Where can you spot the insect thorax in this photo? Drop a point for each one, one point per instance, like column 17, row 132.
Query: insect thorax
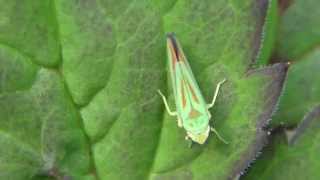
column 195, row 121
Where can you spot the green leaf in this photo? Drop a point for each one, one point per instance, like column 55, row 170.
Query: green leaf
column 30, row 27
column 299, row 30
column 88, row 107
column 13, row 66
column 269, row 33
column 40, row 131
column 301, row 92
column 298, row 160
column 298, row 40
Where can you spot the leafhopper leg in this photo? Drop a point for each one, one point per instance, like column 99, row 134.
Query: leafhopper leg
column 171, row 113
column 189, row 141
column 216, row 132
column 216, row 93
column 179, row 122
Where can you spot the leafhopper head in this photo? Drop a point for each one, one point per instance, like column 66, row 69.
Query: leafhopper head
column 199, row 137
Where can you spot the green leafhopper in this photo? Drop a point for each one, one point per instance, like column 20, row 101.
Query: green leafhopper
column 192, row 111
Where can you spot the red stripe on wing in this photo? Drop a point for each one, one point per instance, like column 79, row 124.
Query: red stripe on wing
column 173, row 56
column 194, row 96
column 184, row 100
